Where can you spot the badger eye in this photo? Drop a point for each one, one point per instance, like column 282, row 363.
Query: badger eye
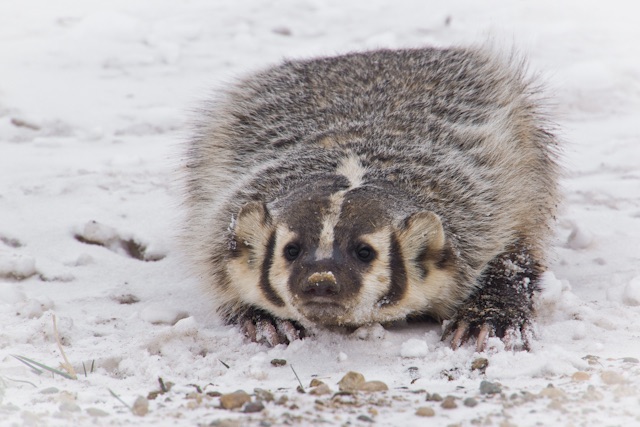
column 291, row 251
column 365, row 253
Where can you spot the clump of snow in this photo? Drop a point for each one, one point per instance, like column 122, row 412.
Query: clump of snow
column 631, row 295
column 580, row 238
column 414, row 348
column 16, row 266
column 374, row 331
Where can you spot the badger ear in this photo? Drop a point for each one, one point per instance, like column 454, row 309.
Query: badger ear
column 422, row 234
column 252, row 228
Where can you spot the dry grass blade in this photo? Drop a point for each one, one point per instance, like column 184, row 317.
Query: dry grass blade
column 120, row 400
column 66, row 365
column 298, row 378
column 35, row 365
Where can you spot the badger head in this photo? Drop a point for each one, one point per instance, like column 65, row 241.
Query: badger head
column 340, row 250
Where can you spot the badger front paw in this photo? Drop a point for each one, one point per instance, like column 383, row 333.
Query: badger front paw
column 263, row 328
column 502, row 306
column 469, row 323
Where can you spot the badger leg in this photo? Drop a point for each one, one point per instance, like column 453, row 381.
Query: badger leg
column 502, row 305
column 261, row 327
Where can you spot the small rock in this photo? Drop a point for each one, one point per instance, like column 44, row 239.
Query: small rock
column 373, row 386
column 264, row 395
column 470, row 402
column 630, row 360
column 592, row 394
column 227, row 423
column 140, row 406
column 449, row 403
column 487, row 387
column 480, row 364
column 252, row 407
column 351, row 381
column 69, row 407
column 365, row 418
column 580, row 376
column 592, row 360
column 435, row 397
column 282, row 31
column 315, row 382
column 95, row 412
column 611, row 378
column 425, row 411
column 278, row 362
column 50, row 390
column 320, row 390
column 552, row 392
column 234, row 400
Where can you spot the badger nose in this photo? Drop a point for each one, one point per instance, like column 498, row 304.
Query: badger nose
column 323, row 288
column 321, row 285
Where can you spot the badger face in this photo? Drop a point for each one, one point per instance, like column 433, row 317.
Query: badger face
column 338, row 251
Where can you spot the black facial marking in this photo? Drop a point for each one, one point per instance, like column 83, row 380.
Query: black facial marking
column 421, row 262
column 265, row 284
column 398, row 274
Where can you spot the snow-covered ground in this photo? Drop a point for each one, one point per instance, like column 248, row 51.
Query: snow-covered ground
column 95, row 99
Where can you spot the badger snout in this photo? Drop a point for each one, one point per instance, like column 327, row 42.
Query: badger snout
column 320, row 285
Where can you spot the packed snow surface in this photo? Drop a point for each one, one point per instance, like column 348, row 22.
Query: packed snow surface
column 95, row 101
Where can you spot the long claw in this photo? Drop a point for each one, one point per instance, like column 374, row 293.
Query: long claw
column 267, row 333
column 287, row 330
column 484, row 333
column 249, row 329
column 460, row 335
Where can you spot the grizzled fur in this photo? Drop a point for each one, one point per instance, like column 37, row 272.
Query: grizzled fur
column 371, row 187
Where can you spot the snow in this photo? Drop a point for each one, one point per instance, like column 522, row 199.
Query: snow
column 95, row 101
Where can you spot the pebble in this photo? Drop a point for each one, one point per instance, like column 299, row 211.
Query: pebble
column 253, row 407
column 365, row 418
column 140, row 406
column 552, row 392
column 226, row 423
column 351, row 381
column 50, row 390
column 320, row 390
column 611, row 378
column 592, row 394
column 95, row 412
column 630, row 360
column 234, row 400
column 479, row 364
column 435, row 397
column 264, row 395
column 69, row 407
column 449, row 403
column 425, row 411
column 470, row 402
column 487, row 387
column 373, row 386
column 278, row 362
column 580, row 376
column 315, row 382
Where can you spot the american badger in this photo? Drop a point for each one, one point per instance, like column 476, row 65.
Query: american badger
column 371, row 187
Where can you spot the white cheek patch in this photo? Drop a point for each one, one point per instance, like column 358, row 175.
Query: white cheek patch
column 245, row 274
column 279, row 274
column 376, row 281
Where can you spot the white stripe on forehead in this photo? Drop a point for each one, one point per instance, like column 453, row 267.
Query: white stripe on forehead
column 352, row 169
